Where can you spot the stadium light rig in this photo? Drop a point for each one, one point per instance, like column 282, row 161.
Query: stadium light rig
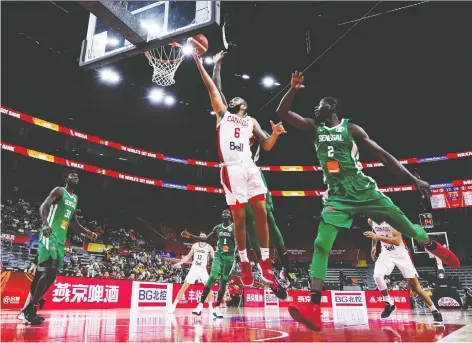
column 187, row 50
column 268, row 82
column 169, row 100
column 209, row 60
column 156, row 95
column 109, row 76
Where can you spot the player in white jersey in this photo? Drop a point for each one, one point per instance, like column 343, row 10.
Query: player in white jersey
column 240, row 177
column 394, row 253
column 198, row 270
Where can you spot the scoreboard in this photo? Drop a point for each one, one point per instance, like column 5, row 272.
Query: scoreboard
column 451, row 197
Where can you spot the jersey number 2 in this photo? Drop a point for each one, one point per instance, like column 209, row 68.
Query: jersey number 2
column 236, row 132
column 330, row 151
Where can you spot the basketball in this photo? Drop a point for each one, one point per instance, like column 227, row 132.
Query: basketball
column 200, row 43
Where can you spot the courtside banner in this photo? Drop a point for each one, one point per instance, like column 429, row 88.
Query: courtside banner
column 192, row 295
column 15, row 289
column 73, row 293
column 151, row 294
column 254, row 297
column 374, row 299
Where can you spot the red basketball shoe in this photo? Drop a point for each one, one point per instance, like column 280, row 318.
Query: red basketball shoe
column 446, row 255
column 267, row 273
column 268, row 276
column 308, row 314
column 246, row 274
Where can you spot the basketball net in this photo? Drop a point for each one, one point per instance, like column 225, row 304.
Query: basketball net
column 165, row 60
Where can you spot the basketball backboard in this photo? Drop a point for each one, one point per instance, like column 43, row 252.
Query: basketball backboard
column 441, row 237
column 119, row 29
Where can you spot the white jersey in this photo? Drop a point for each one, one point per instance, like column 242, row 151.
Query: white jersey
column 234, row 134
column 200, row 255
column 385, row 230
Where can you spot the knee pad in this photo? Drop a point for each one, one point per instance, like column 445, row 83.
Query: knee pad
column 380, row 282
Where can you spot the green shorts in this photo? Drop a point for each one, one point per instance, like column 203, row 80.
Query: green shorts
column 50, row 248
column 222, row 265
column 269, row 202
column 359, row 194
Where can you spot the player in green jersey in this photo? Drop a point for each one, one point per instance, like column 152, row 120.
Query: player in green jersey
column 275, row 235
column 56, row 212
column 349, row 190
column 223, row 262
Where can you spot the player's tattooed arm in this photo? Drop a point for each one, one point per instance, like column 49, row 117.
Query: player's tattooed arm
column 268, row 141
column 284, row 110
column 216, row 101
column 85, row 232
column 187, row 234
column 364, row 141
column 52, row 198
column 218, row 60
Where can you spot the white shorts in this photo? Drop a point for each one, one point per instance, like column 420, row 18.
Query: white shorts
column 242, row 184
column 197, row 274
column 386, row 262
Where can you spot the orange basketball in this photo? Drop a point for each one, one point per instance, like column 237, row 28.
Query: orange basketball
column 200, row 43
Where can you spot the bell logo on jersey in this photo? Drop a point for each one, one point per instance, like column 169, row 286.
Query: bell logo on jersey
column 238, row 147
column 330, row 138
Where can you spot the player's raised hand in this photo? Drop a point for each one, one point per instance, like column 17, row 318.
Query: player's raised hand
column 424, row 188
column 371, row 235
column 185, row 234
column 218, row 58
column 278, row 129
column 297, row 80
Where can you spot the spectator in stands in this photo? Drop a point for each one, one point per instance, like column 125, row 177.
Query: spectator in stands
column 468, row 298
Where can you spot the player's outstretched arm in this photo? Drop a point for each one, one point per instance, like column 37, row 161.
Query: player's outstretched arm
column 186, row 258
column 215, row 96
column 267, row 141
column 52, row 198
column 284, row 112
column 363, row 140
column 187, row 234
column 85, row 232
column 218, row 60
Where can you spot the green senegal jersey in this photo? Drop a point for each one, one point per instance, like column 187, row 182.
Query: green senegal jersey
column 337, row 152
column 60, row 215
column 226, row 241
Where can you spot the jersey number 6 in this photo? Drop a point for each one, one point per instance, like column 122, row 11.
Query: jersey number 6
column 236, row 132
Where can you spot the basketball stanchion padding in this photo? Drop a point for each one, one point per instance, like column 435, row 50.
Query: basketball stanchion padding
column 165, row 60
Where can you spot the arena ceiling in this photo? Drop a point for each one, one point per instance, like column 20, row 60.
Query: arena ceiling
column 401, row 75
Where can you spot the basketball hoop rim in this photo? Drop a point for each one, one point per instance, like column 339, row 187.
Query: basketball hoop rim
column 150, row 57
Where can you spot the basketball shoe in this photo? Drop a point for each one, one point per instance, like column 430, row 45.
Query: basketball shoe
column 446, row 255
column 246, row 274
column 308, row 314
column 268, row 276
